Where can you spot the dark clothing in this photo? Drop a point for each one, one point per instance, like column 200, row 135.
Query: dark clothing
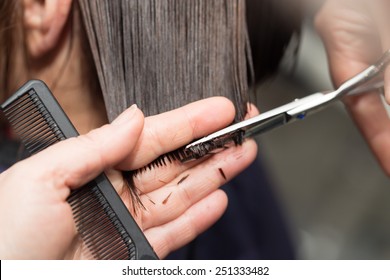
column 253, row 226
column 9, row 151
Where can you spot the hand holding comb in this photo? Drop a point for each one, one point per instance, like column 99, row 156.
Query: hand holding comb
column 102, row 220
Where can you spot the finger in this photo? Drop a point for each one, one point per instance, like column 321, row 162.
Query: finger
column 372, row 119
column 349, row 34
column 380, row 10
column 380, row 13
column 195, row 220
column 349, row 52
column 174, row 199
column 157, row 176
column 169, row 131
column 76, row 161
column 367, row 111
column 252, row 111
column 387, row 85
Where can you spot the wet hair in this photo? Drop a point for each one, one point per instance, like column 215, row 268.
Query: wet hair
column 9, row 16
column 273, row 26
column 162, row 54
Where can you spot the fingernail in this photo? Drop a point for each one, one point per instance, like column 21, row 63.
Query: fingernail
column 125, row 116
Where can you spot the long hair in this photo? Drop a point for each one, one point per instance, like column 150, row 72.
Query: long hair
column 162, row 54
column 271, row 26
column 9, row 19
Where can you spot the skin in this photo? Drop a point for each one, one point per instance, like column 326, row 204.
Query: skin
column 355, row 34
column 37, row 223
column 41, row 225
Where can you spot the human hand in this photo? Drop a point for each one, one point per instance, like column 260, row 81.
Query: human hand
column 37, row 222
column 355, row 34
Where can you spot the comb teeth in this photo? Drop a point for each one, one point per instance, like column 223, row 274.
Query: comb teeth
column 33, row 123
column 101, row 231
column 103, row 221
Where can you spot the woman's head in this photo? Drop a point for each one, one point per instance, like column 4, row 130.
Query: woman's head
column 159, row 54
column 44, row 39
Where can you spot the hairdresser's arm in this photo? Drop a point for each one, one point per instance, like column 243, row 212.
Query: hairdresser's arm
column 36, row 221
column 355, row 34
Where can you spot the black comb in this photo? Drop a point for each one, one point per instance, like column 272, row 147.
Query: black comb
column 104, row 223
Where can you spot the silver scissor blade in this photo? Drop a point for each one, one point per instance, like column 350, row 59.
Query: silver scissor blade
column 261, row 123
column 368, row 79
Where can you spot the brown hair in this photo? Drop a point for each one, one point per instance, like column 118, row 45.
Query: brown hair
column 271, row 26
column 9, row 18
column 162, row 54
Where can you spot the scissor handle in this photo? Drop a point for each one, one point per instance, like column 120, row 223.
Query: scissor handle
column 369, row 79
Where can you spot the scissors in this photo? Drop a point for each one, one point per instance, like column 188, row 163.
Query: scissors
column 369, row 79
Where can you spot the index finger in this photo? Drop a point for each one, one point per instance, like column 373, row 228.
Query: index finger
column 168, row 131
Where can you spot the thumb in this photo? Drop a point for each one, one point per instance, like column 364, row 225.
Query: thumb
column 78, row 160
